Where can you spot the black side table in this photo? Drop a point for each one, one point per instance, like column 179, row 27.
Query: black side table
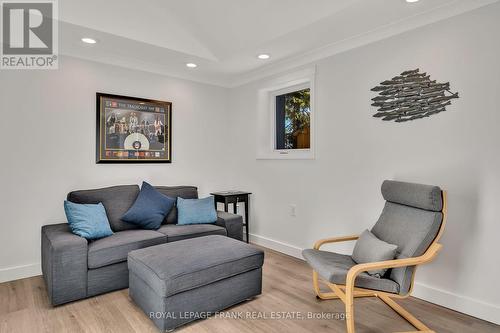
column 233, row 197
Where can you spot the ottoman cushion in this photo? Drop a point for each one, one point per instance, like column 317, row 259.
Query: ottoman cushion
column 173, row 268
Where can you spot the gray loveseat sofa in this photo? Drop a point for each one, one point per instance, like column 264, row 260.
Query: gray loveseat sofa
column 74, row 268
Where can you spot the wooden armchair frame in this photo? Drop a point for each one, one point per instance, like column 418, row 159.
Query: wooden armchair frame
column 348, row 292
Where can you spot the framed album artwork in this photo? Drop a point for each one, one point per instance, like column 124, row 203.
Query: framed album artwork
column 133, row 130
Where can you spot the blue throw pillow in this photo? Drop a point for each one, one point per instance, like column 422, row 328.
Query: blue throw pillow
column 149, row 209
column 196, row 211
column 87, row 220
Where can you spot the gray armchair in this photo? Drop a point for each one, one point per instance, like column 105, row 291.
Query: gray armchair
column 413, row 218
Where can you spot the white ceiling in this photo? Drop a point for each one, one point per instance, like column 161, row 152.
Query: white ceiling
column 224, row 36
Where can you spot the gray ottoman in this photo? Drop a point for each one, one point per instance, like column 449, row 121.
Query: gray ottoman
column 178, row 282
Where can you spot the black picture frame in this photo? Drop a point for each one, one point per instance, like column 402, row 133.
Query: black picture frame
column 146, row 138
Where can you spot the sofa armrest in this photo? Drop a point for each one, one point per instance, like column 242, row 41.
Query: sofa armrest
column 64, row 263
column 233, row 224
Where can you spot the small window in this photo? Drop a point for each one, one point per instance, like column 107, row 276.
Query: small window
column 286, row 116
column 293, row 120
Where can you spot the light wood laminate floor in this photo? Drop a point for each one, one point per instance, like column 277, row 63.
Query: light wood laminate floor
column 287, row 286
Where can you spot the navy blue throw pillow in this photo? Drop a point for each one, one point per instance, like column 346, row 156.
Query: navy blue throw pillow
column 149, row 209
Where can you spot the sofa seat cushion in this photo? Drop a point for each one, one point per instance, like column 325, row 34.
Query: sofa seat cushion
column 176, row 232
column 173, row 268
column 333, row 267
column 115, row 248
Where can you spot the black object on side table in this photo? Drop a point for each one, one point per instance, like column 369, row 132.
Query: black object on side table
column 234, row 197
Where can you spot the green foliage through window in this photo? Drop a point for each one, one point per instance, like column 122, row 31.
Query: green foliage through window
column 293, row 120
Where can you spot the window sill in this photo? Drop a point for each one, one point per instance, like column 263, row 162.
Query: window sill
column 296, row 154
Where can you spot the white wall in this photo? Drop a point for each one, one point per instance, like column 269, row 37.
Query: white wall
column 47, row 134
column 47, row 129
column 338, row 193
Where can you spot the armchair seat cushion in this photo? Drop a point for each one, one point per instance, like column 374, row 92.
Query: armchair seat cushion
column 115, row 248
column 175, row 232
column 334, row 267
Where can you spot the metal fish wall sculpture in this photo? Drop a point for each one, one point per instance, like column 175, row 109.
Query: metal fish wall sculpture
column 411, row 95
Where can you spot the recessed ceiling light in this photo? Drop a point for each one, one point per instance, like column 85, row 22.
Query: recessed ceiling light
column 191, row 65
column 263, row 56
column 412, row 1
column 89, row 40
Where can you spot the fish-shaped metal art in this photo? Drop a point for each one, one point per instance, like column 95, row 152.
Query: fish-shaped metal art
column 411, row 95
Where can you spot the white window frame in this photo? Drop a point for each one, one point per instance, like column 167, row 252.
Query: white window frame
column 266, row 117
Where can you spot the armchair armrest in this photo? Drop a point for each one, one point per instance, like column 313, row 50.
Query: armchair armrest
column 64, row 263
column 233, row 224
column 321, row 242
column 429, row 255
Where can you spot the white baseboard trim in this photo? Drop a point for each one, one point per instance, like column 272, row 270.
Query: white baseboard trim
column 19, row 272
column 272, row 244
column 460, row 303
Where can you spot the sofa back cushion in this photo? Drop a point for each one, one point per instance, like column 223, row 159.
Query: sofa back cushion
column 185, row 192
column 116, row 200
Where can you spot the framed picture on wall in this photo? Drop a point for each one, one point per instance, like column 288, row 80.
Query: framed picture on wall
column 133, row 130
